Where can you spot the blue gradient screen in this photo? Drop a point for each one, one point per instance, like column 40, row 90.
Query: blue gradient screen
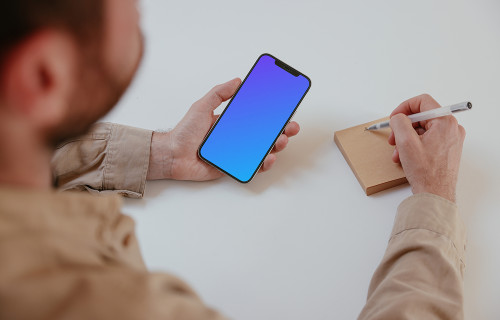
column 254, row 119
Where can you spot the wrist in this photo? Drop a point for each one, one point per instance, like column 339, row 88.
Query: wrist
column 161, row 157
column 446, row 193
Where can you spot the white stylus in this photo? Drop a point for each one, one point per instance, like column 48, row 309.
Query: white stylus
column 428, row 115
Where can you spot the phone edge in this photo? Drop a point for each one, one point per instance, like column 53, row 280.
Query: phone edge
column 276, row 139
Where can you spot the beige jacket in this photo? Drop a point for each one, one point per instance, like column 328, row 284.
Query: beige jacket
column 75, row 256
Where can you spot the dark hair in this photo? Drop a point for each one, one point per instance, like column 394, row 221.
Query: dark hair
column 21, row 18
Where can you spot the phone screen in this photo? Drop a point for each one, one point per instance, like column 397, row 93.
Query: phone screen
column 254, row 119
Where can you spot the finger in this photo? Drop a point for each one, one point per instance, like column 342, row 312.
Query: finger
column 281, row 143
column 395, row 155
column 416, row 104
column 268, row 163
column 292, row 129
column 420, row 131
column 219, row 94
column 392, row 139
column 462, row 132
column 406, row 137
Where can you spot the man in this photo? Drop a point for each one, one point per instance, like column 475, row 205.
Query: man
column 64, row 64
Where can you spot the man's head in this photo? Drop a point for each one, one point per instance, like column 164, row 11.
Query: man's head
column 64, row 64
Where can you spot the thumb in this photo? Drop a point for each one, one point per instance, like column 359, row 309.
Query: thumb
column 406, row 137
column 219, row 94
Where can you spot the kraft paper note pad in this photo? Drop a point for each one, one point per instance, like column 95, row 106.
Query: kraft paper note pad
column 370, row 157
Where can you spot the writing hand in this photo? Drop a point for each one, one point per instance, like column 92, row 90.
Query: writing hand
column 429, row 151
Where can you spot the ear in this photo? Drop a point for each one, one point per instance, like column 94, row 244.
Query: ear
column 38, row 77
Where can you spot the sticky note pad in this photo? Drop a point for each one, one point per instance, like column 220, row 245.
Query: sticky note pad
column 370, row 157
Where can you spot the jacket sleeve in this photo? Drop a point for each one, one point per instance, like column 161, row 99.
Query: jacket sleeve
column 75, row 257
column 103, row 293
column 421, row 273
column 109, row 158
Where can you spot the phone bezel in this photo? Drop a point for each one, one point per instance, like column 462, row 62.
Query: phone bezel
column 285, row 67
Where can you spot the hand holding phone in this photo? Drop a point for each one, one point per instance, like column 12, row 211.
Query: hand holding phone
column 248, row 128
column 174, row 154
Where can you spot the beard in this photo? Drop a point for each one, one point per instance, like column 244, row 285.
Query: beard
column 96, row 92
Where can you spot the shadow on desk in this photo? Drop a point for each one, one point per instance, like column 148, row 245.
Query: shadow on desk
column 300, row 155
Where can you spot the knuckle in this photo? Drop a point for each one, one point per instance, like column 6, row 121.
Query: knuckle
column 428, row 101
column 462, row 131
column 454, row 120
column 397, row 117
column 214, row 96
column 403, row 142
column 451, row 121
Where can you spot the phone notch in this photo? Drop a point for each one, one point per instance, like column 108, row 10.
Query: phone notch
column 286, row 67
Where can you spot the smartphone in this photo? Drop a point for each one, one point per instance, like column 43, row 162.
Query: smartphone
column 247, row 130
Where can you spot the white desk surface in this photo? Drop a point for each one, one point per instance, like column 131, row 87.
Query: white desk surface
column 302, row 241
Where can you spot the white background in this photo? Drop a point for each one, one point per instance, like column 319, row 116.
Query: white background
column 302, row 241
